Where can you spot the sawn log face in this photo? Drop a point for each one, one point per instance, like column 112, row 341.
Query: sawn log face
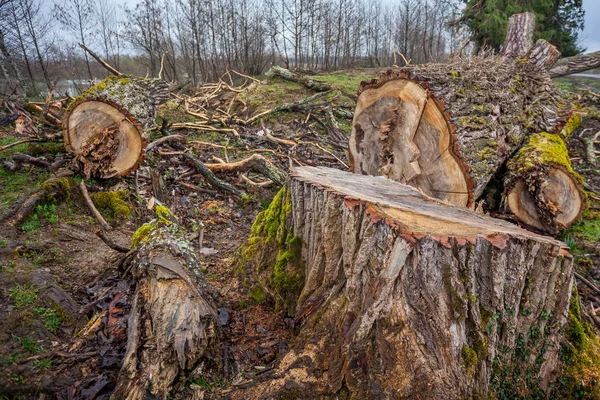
column 405, row 296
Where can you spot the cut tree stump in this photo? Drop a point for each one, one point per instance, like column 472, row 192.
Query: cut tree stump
column 404, row 296
column 172, row 322
column 104, row 127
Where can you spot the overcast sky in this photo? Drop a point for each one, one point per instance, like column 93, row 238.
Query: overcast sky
column 590, row 38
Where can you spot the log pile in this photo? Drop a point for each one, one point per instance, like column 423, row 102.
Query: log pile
column 449, row 129
column 404, row 296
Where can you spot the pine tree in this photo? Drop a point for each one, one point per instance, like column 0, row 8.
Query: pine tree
column 557, row 21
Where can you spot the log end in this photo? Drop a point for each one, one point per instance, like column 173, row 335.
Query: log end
column 401, row 131
column 104, row 137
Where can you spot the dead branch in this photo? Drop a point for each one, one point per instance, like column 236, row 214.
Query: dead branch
column 102, row 235
column 91, row 206
column 283, row 107
column 211, row 178
column 101, row 61
column 157, row 142
column 8, row 146
column 257, row 163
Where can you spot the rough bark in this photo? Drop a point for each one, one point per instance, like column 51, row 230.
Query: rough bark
column 542, row 188
column 519, row 36
column 310, row 83
column 576, row 64
column 447, row 128
column 172, row 320
column 407, row 297
column 104, row 127
column 543, row 54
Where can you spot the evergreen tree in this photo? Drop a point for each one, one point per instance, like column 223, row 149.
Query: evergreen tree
column 558, row 21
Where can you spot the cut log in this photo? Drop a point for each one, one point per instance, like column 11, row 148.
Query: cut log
column 104, row 127
column 576, row 64
column 542, row 189
column 447, row 128
column 172, row 320
column 404, row 296
column 310, row 83
column 519, row 36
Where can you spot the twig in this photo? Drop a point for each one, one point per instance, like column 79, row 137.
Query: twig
column 211, row 178
column 46, row 105
column 326, row 151
column 255, row 162
column 588, row 283
column 100, row 233
column 8, row 146
column 91, row 206
column 197, row 189
column 179, row 138
column 101, row 61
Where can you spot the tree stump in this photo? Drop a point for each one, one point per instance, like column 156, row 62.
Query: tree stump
column 172, row 322
column 104, row 127
column 404, row 296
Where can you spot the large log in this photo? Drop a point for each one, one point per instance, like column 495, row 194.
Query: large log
column 104, row 127
column 403, row 296
column 172, row 322
column 576, row 64
column 447, row 128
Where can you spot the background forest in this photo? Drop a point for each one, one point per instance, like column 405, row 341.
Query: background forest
column 198, row 40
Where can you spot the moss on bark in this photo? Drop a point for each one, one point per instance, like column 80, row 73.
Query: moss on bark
column 274, row 253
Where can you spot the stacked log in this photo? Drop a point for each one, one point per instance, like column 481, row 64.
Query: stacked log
column 449, row 129
column 104, row 127
column 405, row 296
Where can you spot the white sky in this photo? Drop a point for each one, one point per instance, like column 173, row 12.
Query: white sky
column 590, row 38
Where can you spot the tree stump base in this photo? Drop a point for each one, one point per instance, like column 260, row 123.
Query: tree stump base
column 405, row 296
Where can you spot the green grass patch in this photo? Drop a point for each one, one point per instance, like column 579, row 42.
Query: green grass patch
column 23, row 295
column 588, row 229
column 29, row 344
column 347, row 84
column 50, row 318
column 44, row 214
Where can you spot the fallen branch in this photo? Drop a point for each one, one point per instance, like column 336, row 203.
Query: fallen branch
column 588, row 283
column 575, row 64
column 102, row 235
column 294, row 77
column 19, row 159
column 170, row 138
column 8, row 146
column 211, row 177
column 91, row 206
column 257, row 163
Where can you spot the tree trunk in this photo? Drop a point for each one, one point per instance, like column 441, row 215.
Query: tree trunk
column 402, row 296
column 447, row 128
column 542, row 189
column 576, row 64
column 104, row 127
column 519, row 36
column 172, row 322
column 294, row 77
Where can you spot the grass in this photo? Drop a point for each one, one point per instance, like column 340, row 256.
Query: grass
column 573, row 83
column 14, row 185
column 49, row 317
column 588, row 229
column 29, row 345
column 347, row 84
column 43, row 363
column 43, row 213
column 23, row 295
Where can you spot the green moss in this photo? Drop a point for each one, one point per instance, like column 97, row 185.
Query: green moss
column 571, row 126
column 60, row 186
column 542, row 149
column 273, row 251
column 469, row 356
column 140, row 235
column 114, row 203
column 37, row 149
column 257, row 294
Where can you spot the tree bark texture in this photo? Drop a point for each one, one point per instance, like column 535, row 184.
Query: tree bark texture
column 172, row 319
column 104, row 127
column 576, row 64
column 519, row 36
column 404, row 296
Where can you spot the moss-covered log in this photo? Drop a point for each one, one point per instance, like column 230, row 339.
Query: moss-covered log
column 104, row 127
column 542, row 189
column 404, row 296
column 172, row 319
column 310, row 83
